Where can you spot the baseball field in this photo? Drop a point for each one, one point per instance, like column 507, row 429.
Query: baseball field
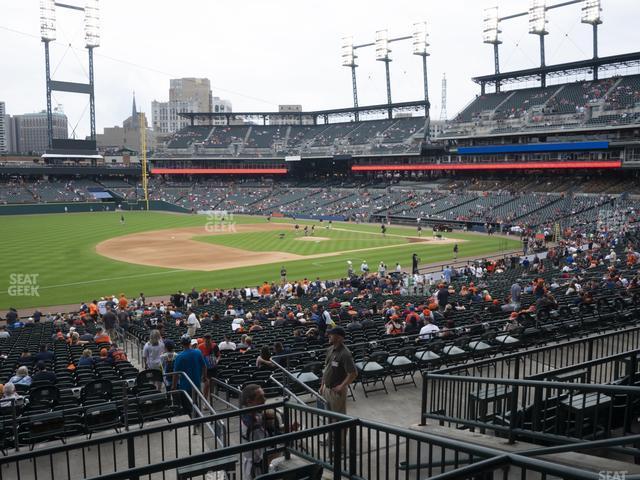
column 60, row 259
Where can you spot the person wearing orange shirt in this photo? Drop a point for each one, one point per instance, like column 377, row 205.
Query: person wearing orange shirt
column 101, row 336
column 93, row 310
column 123, row 302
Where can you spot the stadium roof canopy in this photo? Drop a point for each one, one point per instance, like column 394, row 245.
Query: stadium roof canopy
column 612, row 62
column 318, row 116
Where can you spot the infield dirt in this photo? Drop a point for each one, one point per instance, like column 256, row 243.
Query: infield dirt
column 175, row 248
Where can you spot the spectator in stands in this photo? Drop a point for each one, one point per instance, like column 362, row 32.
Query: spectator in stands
column 117, row 354
column 44, row 355
column 167, row 360
column 193, row 324
column 339, row 372
column 44, row 375
column 264, row 359
column 26, row 358
column 252, row 427
column 3, row 332
column 21, row 377
column 211, row 353
column 513, row 323
column 227, row 344
column 12, row 316
column 393, row 326
column 103, row 357
column 152, row 351
column 8, row 394
column 110, row 320
column 86, row 360
column 429, row 330
column 101, row 336
column 191, row 362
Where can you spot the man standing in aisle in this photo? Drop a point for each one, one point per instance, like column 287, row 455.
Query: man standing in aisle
column 191, row 362
column 339, row 372
column 414, row 263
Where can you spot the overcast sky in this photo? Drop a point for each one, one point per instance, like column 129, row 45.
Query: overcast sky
column 261, row 53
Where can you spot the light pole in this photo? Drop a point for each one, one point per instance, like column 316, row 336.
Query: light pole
column 48, row 34
column 349, row 60
column 383, row 54
column 538, row 26
column 490, row 35
column 92, row 40
column 420, row 49
column 591, row 15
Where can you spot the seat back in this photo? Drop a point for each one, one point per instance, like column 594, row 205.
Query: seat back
column 148, row 377
column 97, row 390
column 44, row 396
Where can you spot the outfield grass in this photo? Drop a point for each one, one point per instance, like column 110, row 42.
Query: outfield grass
column 59, row 249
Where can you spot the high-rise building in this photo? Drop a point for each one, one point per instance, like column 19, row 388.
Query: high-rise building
column 194, row 90
column 31, row 131
column 4, row 141
column 185, row 95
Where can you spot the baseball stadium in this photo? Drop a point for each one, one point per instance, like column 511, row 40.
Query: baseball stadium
column 362, row 292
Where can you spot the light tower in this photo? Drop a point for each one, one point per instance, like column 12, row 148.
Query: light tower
column 383, row 54
column 48, row 34
column 92, row 39
column 591, row 15
column 490, row 35
column 349, row 60
column 420, row 48
column 538, row 26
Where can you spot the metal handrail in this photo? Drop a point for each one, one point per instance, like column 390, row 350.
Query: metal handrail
column 200, row 397
column 302, row 384
column 591, row 387
column 532, row 351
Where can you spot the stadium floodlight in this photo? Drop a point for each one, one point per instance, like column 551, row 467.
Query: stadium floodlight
column 420, row 38
column 538, row 17
column 491, row 25
column 47, row 20
column 591, row 12
column 92, row 24
column 348, row 53
column 382, row 46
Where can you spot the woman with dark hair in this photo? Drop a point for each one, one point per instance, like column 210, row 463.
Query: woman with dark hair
column 264, row 360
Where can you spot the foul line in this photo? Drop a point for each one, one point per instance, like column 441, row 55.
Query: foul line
column 108, row 279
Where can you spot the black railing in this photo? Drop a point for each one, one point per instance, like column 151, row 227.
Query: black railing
column 531, row 410
column 526, row 363
column 347, row 447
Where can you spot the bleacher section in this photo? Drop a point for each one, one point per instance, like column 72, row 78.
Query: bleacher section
column 188, row 136
column 482, row 103
column 556, row 107
column 625, row 94
column 376, row 136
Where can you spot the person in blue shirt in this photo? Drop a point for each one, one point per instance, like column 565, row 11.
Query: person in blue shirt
column 191, row 362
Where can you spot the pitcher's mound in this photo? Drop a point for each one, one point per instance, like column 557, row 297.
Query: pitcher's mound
column 313, row 239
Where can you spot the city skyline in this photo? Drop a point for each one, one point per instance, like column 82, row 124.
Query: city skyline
column 294, row 58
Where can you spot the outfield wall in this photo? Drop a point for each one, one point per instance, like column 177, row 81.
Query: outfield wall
column 80, row 207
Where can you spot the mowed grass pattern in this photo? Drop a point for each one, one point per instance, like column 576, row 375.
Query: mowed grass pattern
column 339, row 240
column 60, row 250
